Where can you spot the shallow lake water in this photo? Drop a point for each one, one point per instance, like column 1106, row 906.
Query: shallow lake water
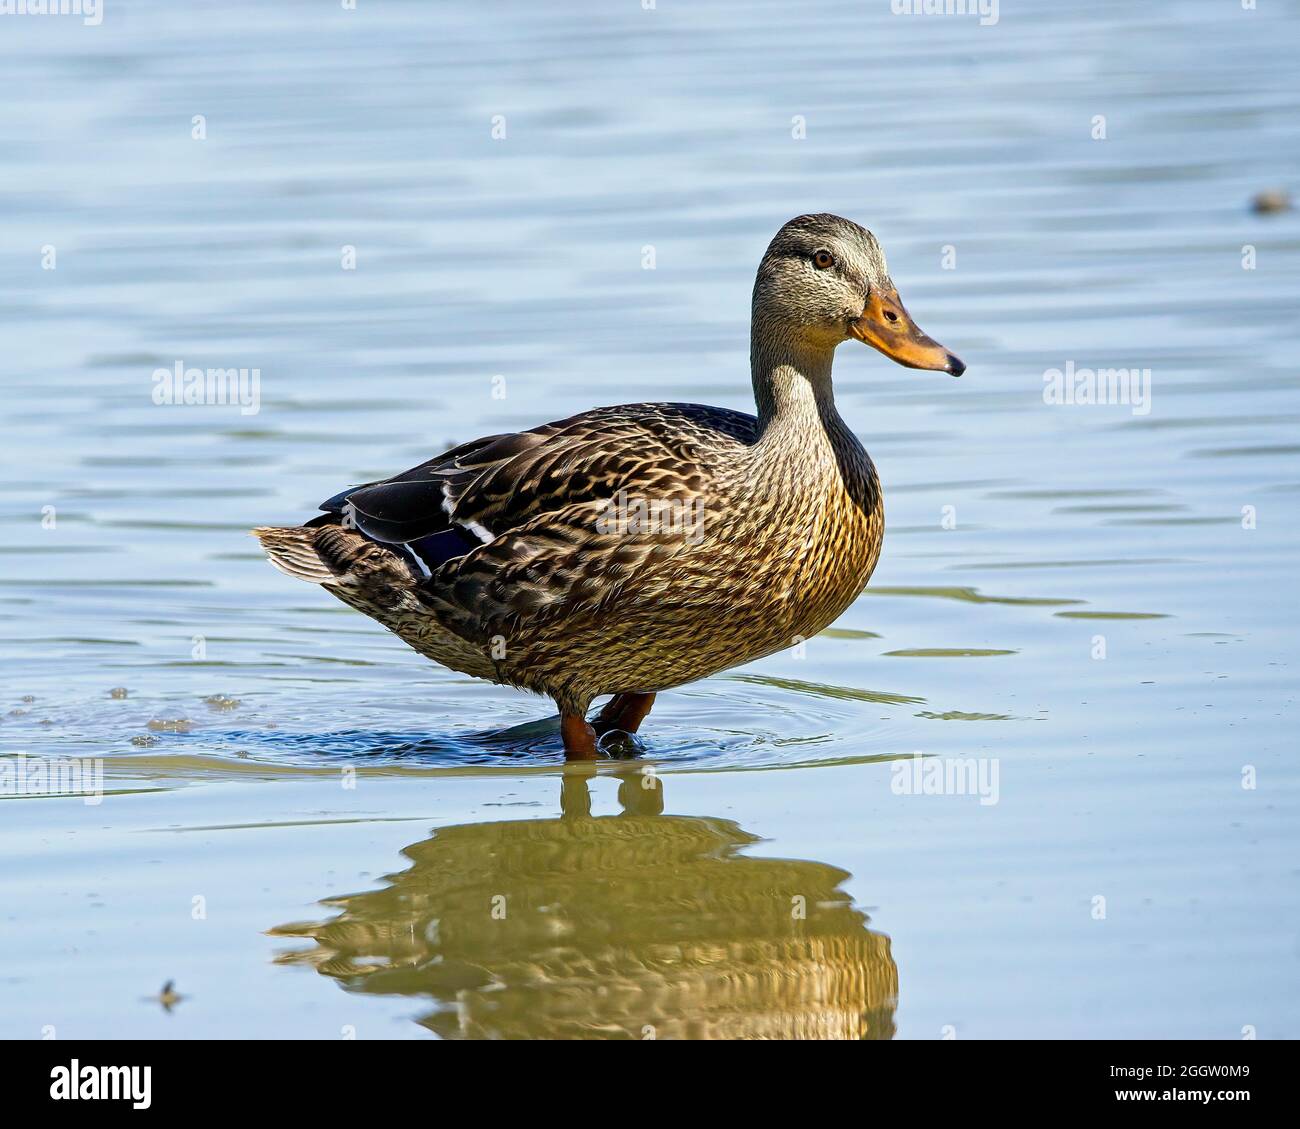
column 313, row 832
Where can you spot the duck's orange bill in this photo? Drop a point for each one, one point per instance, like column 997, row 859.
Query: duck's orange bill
column 887, row 326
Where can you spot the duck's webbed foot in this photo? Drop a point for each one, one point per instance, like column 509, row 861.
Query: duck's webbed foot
column 623, row 711
column 616, row 725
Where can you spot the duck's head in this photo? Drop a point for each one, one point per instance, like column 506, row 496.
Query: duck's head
column 824, row 280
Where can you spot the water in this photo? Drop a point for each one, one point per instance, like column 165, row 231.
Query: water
column 313, row 831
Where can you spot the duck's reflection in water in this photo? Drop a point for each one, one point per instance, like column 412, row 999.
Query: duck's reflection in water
column 639, row 925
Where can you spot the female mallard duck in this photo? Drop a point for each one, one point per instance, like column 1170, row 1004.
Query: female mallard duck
column 631, row 549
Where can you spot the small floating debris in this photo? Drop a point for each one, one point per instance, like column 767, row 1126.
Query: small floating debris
column 222, row 702
column 18, row 713
column 168, row 997
column 1270, row 202
column 28, row 698
column 118, row 692
column 144, row 741
column 170, row 725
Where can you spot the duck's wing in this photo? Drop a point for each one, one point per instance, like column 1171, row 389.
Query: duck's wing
column 475, row 494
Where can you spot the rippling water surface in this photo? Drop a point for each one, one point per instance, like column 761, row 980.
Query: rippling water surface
column 309, row 828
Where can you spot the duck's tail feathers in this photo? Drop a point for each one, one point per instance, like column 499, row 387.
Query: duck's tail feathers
column 292, row 549
column 336, row 556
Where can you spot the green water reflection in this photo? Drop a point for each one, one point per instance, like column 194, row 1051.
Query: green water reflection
column 636, row 925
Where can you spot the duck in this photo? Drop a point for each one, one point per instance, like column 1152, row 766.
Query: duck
column 632, row 549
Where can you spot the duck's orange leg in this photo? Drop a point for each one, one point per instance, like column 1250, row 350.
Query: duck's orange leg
column 625, row 712
column 579, row 738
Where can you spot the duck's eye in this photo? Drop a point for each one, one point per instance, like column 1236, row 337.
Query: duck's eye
column 823, row 260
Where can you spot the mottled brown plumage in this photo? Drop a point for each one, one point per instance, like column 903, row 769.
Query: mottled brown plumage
column 631, row 549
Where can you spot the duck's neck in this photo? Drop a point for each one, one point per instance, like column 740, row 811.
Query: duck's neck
column 793, row 391
column 803, row 445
